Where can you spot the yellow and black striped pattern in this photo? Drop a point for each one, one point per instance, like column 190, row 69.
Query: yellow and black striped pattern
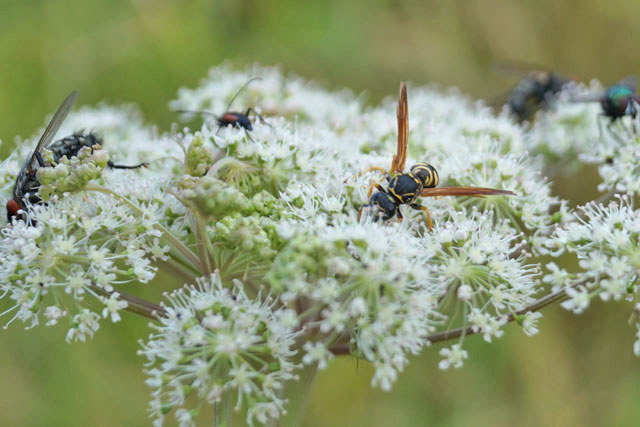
column 427, row 174
column 405, row 188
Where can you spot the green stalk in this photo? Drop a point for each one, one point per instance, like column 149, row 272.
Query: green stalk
column 173, row 241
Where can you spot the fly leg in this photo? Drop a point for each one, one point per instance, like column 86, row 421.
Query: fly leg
column 602, row 117
column 112, row 165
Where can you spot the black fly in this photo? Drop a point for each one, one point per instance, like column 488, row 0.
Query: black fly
column 536, row 90
column 26, row 185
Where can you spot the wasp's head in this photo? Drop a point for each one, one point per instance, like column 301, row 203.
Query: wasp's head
column 426, row 173
column 383, row 206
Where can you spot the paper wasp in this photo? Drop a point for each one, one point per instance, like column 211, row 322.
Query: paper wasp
column 420, row 181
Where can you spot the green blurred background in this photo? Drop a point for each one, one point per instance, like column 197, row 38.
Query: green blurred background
column 580, row 371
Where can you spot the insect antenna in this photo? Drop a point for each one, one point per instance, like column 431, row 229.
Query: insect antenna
column 239, row 91
column 204, row 113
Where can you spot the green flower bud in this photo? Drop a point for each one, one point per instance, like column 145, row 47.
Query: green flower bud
column 199, row 157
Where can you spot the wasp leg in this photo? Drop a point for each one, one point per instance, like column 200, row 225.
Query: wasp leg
column 369, row 193
column 426, row 211
column 372, row 168
column 360, row 211
column 114, row 166
column 400, row 217
column 372, row 186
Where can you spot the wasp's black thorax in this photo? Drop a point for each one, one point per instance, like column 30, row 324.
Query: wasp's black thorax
column 235, row 119
column 404, row 188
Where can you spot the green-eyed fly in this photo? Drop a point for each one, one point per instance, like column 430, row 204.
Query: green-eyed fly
column 617, row 101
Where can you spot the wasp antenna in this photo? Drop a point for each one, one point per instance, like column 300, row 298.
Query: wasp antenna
column 239, row 91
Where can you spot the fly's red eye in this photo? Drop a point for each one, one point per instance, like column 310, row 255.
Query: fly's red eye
column 13, row 207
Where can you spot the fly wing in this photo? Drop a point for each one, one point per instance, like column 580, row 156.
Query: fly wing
column 630, row 81
column 589, row 97
column 464, row 191
column 403, row 131
column 53, row 126
column 519, row 68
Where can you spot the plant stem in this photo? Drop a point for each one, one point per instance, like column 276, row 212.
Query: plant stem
column 561, row 295
column 134, row 304
column 173, row 241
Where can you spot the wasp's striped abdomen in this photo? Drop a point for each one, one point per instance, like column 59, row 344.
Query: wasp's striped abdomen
column 427, row 174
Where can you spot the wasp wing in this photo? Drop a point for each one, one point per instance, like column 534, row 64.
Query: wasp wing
column 53, row 126
column 397, row 165
column 464, row 191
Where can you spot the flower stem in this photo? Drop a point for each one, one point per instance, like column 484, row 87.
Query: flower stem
column 557, row 296
column 341, row 349
column 134, row 304
column 173, row 241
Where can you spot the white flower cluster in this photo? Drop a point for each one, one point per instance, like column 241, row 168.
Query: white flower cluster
column 213, row 341
column 606, row 243
column 274, row 212
column 568, row 130
column 573, row 133
column 84, row 243
column 78, row 245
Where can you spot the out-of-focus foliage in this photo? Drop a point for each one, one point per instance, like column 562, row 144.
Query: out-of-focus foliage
column 581, row 372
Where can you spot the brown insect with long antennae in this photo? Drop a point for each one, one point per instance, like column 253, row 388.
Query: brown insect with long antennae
column 420, row 181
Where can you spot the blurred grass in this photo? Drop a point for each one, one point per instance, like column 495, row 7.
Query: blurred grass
column 579, row 371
